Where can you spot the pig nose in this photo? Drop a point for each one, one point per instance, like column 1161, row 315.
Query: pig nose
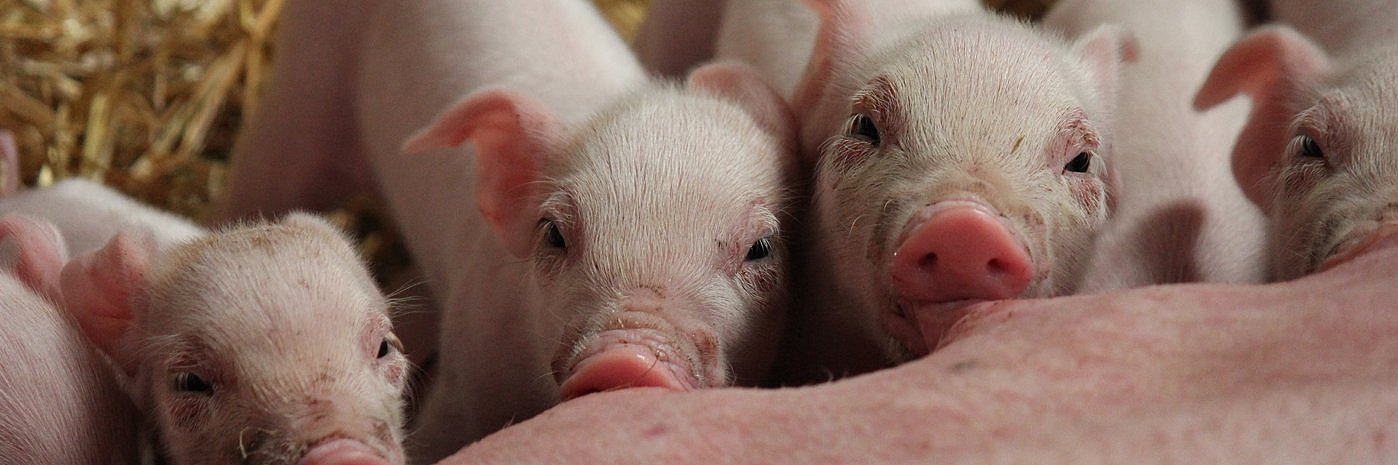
column 961, row 251
column 342, row 452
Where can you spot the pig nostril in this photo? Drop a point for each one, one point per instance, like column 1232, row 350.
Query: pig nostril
column 995, row 268
column 927, row 262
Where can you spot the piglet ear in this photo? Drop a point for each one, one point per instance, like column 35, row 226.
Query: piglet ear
column 743, row 86
column 842, row 28
column 40, row 251
column 513, row 135
column 98, row 290
column 1272, row 66
column 1104, row 50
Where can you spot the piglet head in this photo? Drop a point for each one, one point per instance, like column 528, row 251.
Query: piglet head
column 966, row 160
column 657, row 229
column 1318, row 152
column 266, row 344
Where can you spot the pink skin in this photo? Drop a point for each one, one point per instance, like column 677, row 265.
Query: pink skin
column 61, row 404
column 677, row 35
column 265, row 344
column 1180, row 217
column 89, row 214
column 893, row 132
column 543, row 222
column 38, row 251
column 1297, row 372
column 1317, row 151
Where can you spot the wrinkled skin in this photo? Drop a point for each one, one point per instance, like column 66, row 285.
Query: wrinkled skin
column 531, row 165
column 1317, row 152
column 265, row 344
column 1297, row 372
column 1179, row 217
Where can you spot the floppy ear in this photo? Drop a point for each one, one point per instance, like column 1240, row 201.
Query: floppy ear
column 842, row 29
column 1104, row 50
column 1273, row 66
column 743, row 86
column 98, row 290
column 40, row 252
column 513, row 136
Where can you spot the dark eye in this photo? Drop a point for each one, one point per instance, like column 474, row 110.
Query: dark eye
column 553, row 236
column 390, row 342
column 1080, row 163
column 862, row 126
column 189, row 382
column 760, row 249
column 1310, row 148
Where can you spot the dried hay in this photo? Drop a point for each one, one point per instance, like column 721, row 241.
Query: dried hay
column 145, row 95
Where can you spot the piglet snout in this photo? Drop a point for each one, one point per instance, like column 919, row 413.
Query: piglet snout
column 961, row 251
column 342, row 452
column 627, row 358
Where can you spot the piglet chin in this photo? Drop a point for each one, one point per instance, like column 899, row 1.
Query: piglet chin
column 621, row 359
column 342, row 452
column 1384, row 236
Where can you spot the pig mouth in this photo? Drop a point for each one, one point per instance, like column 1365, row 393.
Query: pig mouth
column 627, row 357
column 340, row 449
column 920, row 325
column 1360, row 242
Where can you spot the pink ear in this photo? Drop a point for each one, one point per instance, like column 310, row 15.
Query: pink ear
column 512, row 135
column 841, row 28
column 1104, row 49
column 98, row 289
column 41, row 251
column 1272, row 66
column 742, row 85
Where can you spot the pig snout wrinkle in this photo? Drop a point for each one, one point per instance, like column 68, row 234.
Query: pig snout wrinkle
column 961, row 253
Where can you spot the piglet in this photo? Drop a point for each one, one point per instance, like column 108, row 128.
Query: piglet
column 584, row 229
column 1318, row 152
column 262, row 344
column 59, row 403
column 1179, row 217
column 958, row 157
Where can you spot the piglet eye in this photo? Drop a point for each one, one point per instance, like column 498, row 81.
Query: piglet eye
column 759, row 250
column 185, row 381
column 861, row 126
column 1310, row 148
column 1079, row 164
column 552, row 236
column 390, row 343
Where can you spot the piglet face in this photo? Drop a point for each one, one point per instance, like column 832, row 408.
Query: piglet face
column 971, row 166
column 270, row 345
column 1336, row 184
column 665, row 256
